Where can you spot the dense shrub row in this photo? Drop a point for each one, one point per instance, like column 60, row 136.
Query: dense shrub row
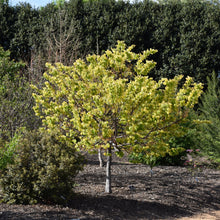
column 186, row 33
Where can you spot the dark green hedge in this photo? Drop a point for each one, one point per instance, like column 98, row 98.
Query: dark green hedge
column 186, row 33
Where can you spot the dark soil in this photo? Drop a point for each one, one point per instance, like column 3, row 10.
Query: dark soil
column 171, row 193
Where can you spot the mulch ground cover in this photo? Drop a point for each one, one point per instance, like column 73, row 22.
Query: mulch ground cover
column 170, row 193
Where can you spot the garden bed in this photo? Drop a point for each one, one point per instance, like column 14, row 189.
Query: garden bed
column 170, row 193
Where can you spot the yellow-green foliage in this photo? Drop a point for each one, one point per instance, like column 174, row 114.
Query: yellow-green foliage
column 110, row 100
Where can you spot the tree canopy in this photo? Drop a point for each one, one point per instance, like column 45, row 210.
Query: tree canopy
column 109, row 101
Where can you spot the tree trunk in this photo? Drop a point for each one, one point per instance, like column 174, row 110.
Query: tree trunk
column 108, row 171
column 101, row 163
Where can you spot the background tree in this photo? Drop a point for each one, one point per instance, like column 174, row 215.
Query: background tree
column 166, row 35
column 188, row 38
column 16, row 104
column 98, row 24
column 25, row 31
column 62, row 38
column 134, row 24
column 58, row 39
column 109, row 102
column 209, row 133
column 15, row 98
column 7, row 20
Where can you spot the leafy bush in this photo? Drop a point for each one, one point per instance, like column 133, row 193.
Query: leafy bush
column 184, row 142
column 16, row 107
column 179, row 143
column 8, row 66
column 43, row 170
column 152, row 161
column 7, row 152
column 16, row 99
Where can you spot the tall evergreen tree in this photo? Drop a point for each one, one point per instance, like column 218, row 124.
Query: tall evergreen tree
column 25, row 32
column 209, row 133
column 7, row 20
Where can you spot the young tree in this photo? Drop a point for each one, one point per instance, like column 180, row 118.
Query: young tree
column 109, row 102
column 208, row 137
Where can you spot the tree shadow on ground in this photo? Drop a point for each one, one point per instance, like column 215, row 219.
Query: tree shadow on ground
column 112, row 207
column 171, row 193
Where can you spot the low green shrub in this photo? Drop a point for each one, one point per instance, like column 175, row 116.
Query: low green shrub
column 7, row 152
column 177, row 143
column 43, row 171
column 153, row 161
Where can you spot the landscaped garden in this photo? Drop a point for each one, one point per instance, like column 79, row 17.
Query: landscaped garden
column 171, row 193
column 96, row 125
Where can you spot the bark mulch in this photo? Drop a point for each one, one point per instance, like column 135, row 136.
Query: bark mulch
column 170, row 193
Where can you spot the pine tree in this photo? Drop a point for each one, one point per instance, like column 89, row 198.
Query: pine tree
column 209, row 138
